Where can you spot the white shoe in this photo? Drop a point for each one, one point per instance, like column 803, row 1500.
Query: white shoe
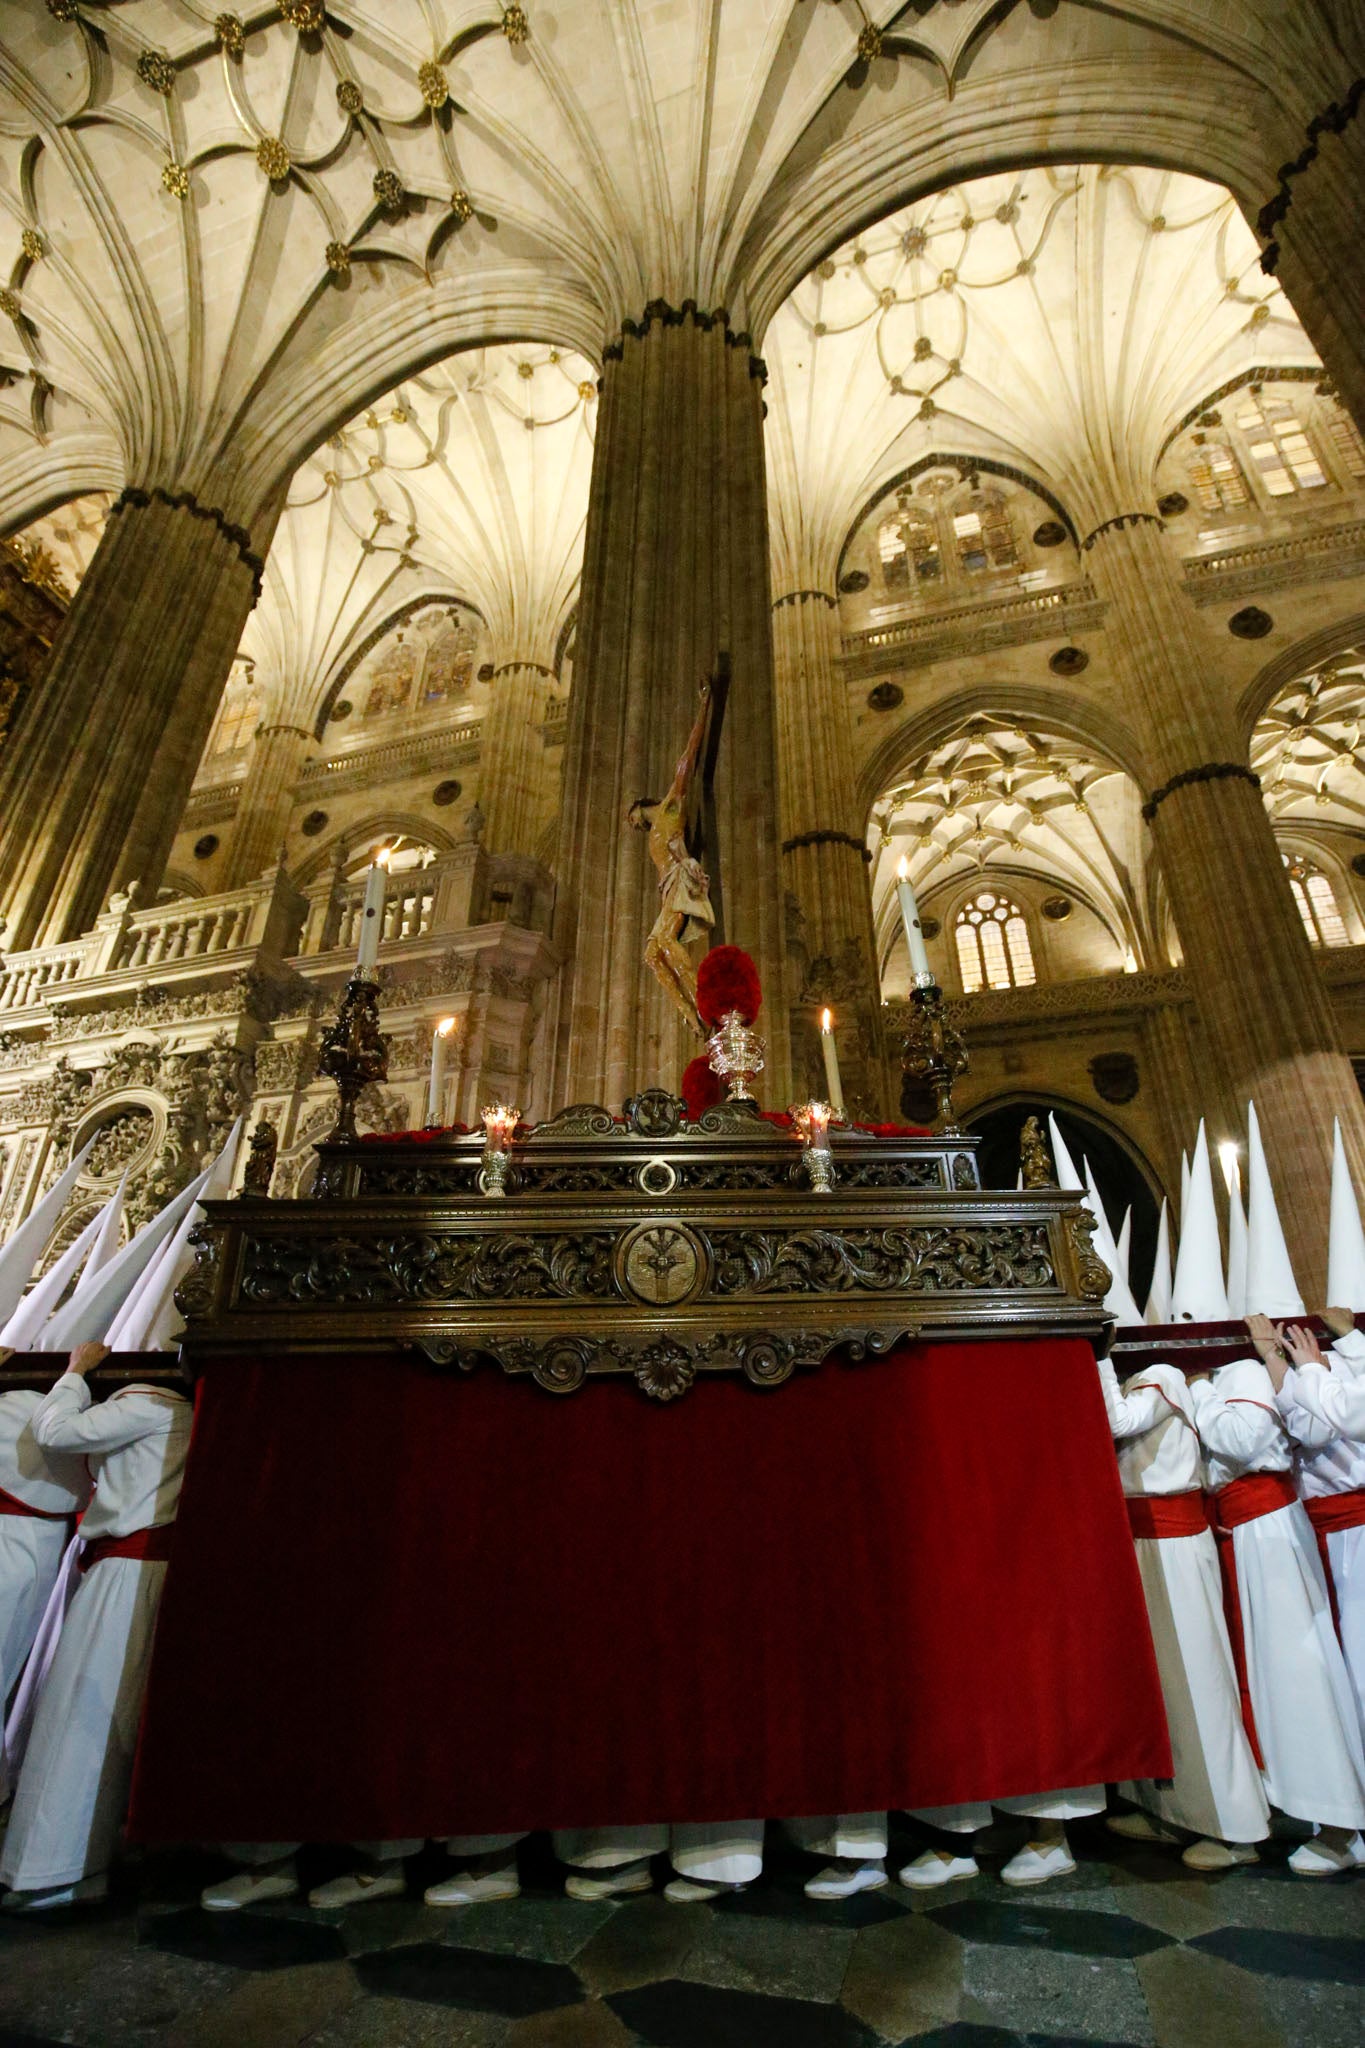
column 466, row 1889
column 935, row 1867
column 251, row 1887
column 686, row 1891
column 842, row 1880
column 1323, row 1859
column 360, row 1887
column 86, row 1891
column 1039, row 1866
column 1139, row 1827
column 610, row 1884
column 1210, row 1854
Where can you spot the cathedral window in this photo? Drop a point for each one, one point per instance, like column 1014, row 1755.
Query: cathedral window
column 895, row 560
column 1279, row 448
column 985, row 536
column 1344, row 441
column 1217, row 477
column 1317, row 902
column 993, row 949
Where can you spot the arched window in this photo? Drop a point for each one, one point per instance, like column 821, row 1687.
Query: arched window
column 1344, row 441
column 1278, row 445
column 238, row 715
column 895, row 561
column 985, row 535
column 1317, row 903
column 1217, row 477
column 993, row 949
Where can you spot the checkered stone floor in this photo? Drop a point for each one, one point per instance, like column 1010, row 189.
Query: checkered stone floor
column 1134, row 1949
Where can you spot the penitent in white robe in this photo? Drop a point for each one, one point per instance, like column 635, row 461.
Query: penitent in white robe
column 608, row 1848
column 1307, row 1720
column 1216, row 1787
column 860, row 1837
column 73, row 1788
column 1324, row 1413
column 31, row 1546
column 717, row 1852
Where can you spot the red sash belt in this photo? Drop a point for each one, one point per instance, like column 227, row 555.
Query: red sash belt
column 150, row 1546
column 10, row 1504
column 1167, row 1514
column 1244, row 1500
column 1330, row 1513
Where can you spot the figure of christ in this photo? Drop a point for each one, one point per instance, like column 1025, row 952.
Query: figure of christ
column 684, row 891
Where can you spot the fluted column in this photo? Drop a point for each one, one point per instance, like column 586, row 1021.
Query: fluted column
column 277, row 756
column 824, row 857
column 512, row 758
column 1316, row 229
column 94, row 780
column 675, row 570
column 1264, row 1010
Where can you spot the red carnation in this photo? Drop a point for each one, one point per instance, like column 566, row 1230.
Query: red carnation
column 728, row 980
column 701, row 1088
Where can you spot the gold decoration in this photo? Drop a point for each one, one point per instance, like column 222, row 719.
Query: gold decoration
column 176, row 180
column 587, row 390
column 62, row 10
column 1034, row 1156
column 431, row 83
column 338, row 259
column 307, row 16
column 515, row 26
column 354, row 1051
column 869, row 42
column 32, row 244
column 230, row 34
column 10, row 303
column 933, row 1051
column 155, row 68
column 264, row 1144
column 461, row 205
column 350, row 99
column 273, row 158
column 388, row 190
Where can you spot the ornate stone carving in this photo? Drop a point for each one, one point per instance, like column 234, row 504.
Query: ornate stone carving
column 664, row 1370
column 919, row 1258
column 419, row 1266
column 285, row 1064
column 1035, row 1160
column 654, row 1113
column 120, row 1140
column 195, row 1295
column 1092, row 1275
column 260, row 1166
column 661, row 1263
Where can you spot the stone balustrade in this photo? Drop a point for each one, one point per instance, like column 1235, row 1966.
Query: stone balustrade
column 919, row 638
column 1255, row 566
column 29, row 978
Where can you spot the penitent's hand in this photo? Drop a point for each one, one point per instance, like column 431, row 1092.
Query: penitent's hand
column 1340, row 1321
column 1302, row 1345
column 86, row 1357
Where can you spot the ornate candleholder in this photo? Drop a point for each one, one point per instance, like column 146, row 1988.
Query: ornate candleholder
column 933, row 1051
column 736, row 1053
column 354, row 1051
column 499, row 1123
column 812, row 1121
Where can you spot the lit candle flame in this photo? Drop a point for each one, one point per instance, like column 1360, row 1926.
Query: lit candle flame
column 446, row 1026
column 383, row 857
column 903, row 869
column 827, row 1020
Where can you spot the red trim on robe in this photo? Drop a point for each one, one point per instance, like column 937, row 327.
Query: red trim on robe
column 1330, row 1513
column 149, row 1546
column 10, row 1504
column 1245, row 1500
column 1167, row 1514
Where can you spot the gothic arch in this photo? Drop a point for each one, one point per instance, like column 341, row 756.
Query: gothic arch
column 353, row 656
column 1314, row 650
column 377, row 825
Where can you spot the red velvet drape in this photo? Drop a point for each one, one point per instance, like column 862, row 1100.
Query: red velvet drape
column 406, row 1603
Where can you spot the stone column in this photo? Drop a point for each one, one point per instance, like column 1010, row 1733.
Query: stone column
column 675, row 571
column 95, row 778
column 512, row 758
column 277, row 756
column 825, row 864
column 1315, row 228
column 1264, row 1010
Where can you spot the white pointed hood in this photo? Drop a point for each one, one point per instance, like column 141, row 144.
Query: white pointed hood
column 150, row 1320
column 1237, row 1246
column 1271, row 1287
column 1118, row 1301
column 1345, row 1237
column 93, row 1307
column 24, row 1249
column 25, row 1325
column 1184, row 1185
column 1123, row 1245
column 1067, row 1176
column 1198, row 1292
column 1159, row 1294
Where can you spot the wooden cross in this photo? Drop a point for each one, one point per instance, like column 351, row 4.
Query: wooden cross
column 703, row 838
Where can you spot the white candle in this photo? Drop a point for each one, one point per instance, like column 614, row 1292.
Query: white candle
column 436, row 1085
column 920, row 970
column 372, row 913
column 827, row 1046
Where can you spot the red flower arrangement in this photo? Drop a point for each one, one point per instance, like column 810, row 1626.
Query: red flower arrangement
column 701, row 1088
column 427, row 1136
column 728, row 980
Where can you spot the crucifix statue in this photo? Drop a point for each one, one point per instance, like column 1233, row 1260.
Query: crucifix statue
column 681, row 827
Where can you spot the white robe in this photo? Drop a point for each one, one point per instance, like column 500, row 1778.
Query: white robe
column 30, row 1547
column 717, row 1852
column 1216, row 1788
column 859, row 1836
column 1330, row 1459
column 73, row 1788
column 1307, row 1719
column 1072, row 1802
column 608, row 1848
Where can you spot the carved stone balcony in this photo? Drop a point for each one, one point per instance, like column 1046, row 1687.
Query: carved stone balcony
column 921, row 638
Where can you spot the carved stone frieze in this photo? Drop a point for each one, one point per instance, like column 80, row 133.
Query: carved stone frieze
column 285, row 1064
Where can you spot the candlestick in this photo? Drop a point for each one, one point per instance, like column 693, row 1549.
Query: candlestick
column 812, row 1121
column 436, row 1084
column 499, row 1123
column 921, row 973
column 372, row 913
column 831, row 1052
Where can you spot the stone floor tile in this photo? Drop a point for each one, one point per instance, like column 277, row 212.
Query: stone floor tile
column 1312, row 2015
column 1180, row 1907
column 581, row 2026
column 11, row 2038
column 1197, row 2001
column 271, row 2009
column 113, row 2000
column 397, row 2023
column 904, row 1977
column 780, row 1897
column 552, row 1930
column 647, row 1939
column 246, row 1941
column 1276, row 1898
column 1008, row 1923
column 1040, row 1992
column 437, row 1973
column 678, row 2015
column 390, row 1923
column 1273, row 1952
column 772, row 1956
